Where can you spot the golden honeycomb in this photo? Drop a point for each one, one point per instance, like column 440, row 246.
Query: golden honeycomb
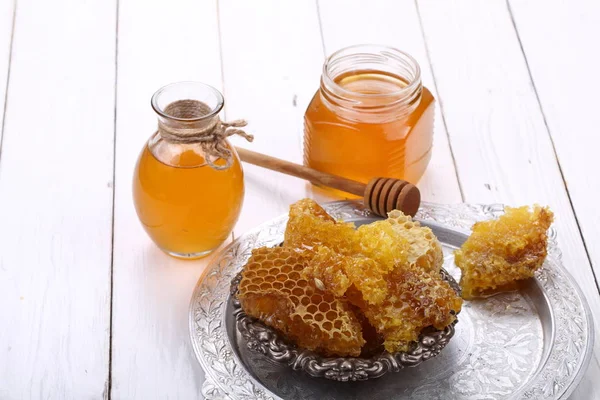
column 345, row 256
column 418, row 299
column 381, row 279
column 337, row 273
column 503, row 251
column 273, row 291
column 425, row 250
column 309, row 225
column 382, row 243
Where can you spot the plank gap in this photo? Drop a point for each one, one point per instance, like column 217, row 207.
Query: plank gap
column 320, row 21
column 219, row 37
column 6, row 86
column 108, row 393
column 442, row 113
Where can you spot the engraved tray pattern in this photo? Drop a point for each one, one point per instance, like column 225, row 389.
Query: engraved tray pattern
column 494, row 354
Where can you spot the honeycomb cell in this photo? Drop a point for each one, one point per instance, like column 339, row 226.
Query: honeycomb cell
column 289, row 284
column 503, row 251
column 296, row 319
column 286, row 269
column 294, row 276
column 251, row 288
column 316, row 299
column 262, row 273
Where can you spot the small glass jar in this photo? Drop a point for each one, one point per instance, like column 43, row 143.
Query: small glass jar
column 370, row 117
column 187, row 206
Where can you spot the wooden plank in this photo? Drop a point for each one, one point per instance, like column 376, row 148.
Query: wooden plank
column 7, row 9
column 346, row 23
column 501, row 144
column 272, row 60
column 159, row 43
column 56, row 201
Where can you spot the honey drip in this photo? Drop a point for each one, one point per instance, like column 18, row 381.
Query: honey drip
column 397, row 148
column 186, row 206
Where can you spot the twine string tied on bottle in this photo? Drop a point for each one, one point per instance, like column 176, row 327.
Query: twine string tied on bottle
column 189, row 123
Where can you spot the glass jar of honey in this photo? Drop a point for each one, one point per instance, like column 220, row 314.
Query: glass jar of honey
column 370, row 117
column 188, row 184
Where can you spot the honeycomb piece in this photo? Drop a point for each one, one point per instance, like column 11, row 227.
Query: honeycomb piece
column 336, row 273
column 273, row 291
column 418, row 299
column 503, row 251
column 328, row 270
column 344, row 256
column 309, row 225
column 425, row 250
column 384, row 244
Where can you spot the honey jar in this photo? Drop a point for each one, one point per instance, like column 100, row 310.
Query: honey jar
column 370, row 117
column 188, row 183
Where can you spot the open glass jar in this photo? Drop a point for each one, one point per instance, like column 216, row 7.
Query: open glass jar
column 187, row 196
column 370, row 117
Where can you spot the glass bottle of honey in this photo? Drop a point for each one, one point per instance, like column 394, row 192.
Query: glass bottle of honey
column 370, row 117
column 188, row 184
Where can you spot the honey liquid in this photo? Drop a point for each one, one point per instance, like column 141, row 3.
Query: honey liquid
column 187, row 207
column 364, row 150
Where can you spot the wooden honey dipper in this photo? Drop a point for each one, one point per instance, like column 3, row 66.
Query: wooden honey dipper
column 381, row 195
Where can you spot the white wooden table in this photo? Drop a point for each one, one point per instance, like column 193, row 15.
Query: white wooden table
column 89, row 308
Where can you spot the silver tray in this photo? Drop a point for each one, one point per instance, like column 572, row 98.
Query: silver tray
column 534, row 343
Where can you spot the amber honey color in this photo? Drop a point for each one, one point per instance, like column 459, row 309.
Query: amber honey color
column 362, row 149
column 187, row 207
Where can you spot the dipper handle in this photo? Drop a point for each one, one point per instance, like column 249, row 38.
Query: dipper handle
column 381, row 195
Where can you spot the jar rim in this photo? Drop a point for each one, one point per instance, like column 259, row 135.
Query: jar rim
column 371, row 49
column 199, row 85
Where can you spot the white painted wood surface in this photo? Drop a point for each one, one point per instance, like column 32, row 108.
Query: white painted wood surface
column 67, row 333
column 56, row 202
